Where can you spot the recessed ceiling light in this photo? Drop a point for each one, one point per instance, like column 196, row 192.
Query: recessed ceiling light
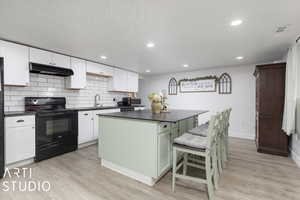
column 103, row 57
column 236, row 22
column 150, row 44
column 239, row 57
column 185, row 65
column 148, row 70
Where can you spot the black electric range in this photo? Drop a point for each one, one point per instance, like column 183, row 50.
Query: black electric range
column 56, row 126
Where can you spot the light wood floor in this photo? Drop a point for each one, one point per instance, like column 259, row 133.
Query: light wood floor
column 249, row 176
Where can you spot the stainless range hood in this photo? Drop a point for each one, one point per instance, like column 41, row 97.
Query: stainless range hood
column 50, row 70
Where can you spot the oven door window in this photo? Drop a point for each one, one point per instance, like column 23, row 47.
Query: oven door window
column 57, row 126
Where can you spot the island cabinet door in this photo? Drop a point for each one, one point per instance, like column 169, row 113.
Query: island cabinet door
column 182, row 127
column 164, row 153
column 174, row 134
column 191, row 123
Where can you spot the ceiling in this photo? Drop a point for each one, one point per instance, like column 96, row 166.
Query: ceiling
column 194, row 32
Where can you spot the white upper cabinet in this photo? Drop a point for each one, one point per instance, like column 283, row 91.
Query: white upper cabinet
column 99, row 69
column 60, row 60
column 40, row 56
column 16, row 63
column 78, row 80
column 124, row 81
column 49, row 58
column 132, row 82
column 119, row 81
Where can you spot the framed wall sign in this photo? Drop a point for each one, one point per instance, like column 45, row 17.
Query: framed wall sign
column 201, row 84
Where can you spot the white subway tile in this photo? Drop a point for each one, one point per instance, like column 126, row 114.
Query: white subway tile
column 44, row 86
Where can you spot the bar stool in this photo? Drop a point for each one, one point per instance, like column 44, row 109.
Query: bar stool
column 202, row 130
column 222, row 144
column 226, row 127
column 204, row 147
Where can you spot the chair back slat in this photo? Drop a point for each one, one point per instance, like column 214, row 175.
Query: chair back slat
column 214, row 129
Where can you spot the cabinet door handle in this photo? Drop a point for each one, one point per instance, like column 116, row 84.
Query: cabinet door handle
column 20, row 120
column 165, row 126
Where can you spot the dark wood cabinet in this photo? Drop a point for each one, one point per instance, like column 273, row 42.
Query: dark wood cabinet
column 270, row 90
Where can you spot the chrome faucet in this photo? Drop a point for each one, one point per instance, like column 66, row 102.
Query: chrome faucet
column 97, row 100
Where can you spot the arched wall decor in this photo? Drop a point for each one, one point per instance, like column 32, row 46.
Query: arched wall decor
column 225, row 84
column 172, row 86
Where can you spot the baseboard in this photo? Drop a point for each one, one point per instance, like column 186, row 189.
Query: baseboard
column 20, row 163
column 127, row 172
column 295, row 157
column 87, row 144
column 242, row 136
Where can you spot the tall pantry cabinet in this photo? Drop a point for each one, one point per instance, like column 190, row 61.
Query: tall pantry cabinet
column 270, row 91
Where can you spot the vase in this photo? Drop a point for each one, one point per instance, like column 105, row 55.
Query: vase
column 156, row 107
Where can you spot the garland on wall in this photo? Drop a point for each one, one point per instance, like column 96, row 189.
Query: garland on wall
column 199, row 84
column 202, row 84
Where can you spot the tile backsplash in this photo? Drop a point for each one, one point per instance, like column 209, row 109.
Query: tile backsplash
column 54, row 86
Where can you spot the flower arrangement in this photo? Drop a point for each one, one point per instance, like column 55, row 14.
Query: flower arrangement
column 156, row 100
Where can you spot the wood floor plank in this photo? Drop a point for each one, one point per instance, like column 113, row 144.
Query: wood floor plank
column 79, row 176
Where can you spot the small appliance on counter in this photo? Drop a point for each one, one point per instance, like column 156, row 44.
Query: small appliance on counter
column 128, row 103
column 56, row 126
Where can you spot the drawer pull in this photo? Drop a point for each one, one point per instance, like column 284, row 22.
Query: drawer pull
column 165, row 126
column 86, row 114
column 20, row 120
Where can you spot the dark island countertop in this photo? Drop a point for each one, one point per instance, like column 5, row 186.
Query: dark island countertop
column 172, row 116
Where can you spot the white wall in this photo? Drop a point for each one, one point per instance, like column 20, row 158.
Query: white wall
column 295, row 148
column 242, row 99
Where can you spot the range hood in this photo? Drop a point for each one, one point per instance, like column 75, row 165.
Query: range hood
column 50, row 70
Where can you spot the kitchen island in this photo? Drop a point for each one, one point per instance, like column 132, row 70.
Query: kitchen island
column 138, row 144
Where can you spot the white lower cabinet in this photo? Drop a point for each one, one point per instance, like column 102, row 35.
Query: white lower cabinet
column 85, row 126
column 164, row 153
column 88, row 124
column 19, row 138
